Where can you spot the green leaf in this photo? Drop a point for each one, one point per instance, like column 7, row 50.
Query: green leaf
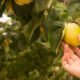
column 23, row 12
column 35, row 35
column 2, row 8
column 40, row 5
column 1, row 2
column 74, row 9
column 32, row 29
column 61, row 11
column 55, row 36
column 55, row 29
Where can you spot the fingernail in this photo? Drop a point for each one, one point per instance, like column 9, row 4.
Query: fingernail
column 66, row 46
column 63, row 44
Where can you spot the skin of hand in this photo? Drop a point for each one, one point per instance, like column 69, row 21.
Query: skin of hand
column 71, row 59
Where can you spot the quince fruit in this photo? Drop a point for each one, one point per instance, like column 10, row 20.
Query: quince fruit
column 71, row 34
column 23, row 2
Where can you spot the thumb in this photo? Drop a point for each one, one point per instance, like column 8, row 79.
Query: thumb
column 65, row 47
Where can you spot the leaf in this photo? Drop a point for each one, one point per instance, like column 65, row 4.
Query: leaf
column 22, row 12
column 61, row 11
column 32, row 29
column 35, row 35
column 45, row 44
column 55, row 37
column 6, row 45
column 55, row 29
column 3, row 7
column 1, row 2
column 74, row 9
column 40, row 5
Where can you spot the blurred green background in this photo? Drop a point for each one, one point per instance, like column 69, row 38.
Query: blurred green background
column 25, row 50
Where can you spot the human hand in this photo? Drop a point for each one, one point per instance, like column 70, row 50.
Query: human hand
column 70, row 60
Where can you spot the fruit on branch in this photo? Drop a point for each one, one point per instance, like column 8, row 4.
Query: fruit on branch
column 23, row 2
column 23, row 12
column 71, row 34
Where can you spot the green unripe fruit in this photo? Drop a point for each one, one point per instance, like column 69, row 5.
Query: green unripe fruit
column 71, row 34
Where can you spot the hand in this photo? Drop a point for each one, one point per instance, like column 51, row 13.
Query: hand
column 70, row 60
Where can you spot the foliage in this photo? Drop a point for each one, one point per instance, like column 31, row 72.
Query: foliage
column 30, row 40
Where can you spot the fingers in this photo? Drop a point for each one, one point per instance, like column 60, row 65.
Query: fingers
column 67, row 50
column 69, row 55
column 65, row 65
column 77, row 51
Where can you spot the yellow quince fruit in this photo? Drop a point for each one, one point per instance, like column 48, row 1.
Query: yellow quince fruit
column 23, row 2
column 71, row 34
